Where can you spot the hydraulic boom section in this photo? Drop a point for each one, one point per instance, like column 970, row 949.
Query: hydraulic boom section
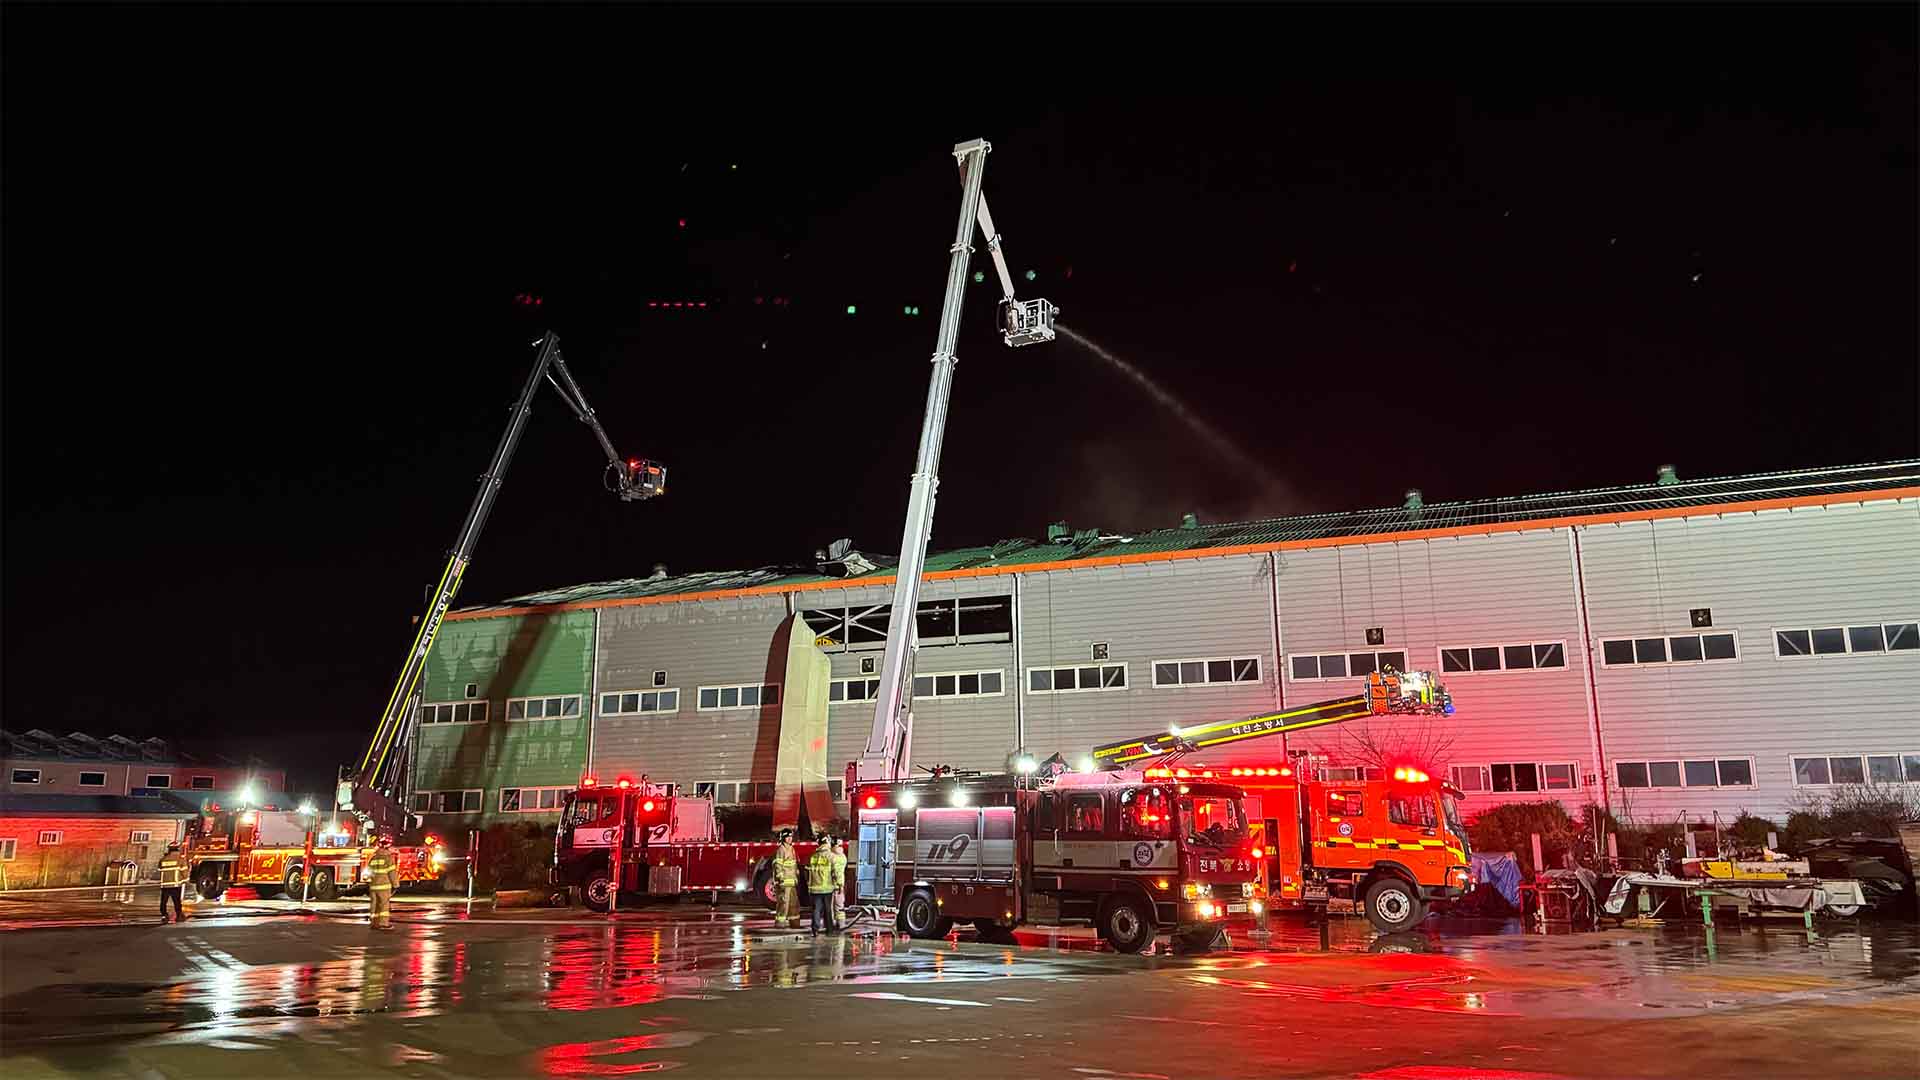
column 375, row 791
column 1023, row 322
column 1388, row 693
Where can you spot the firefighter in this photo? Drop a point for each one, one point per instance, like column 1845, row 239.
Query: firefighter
column 382, row 873
column 820, row 885
column 173, row 879
column 839, row 883
column 786, row 880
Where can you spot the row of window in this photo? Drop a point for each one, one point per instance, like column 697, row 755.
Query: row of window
column 1237, row 669
column 456, row 712
column 9, row 846
column 1671, row 649
column 744, row 696
column 543, row 708
column 747, row 792
column 466, row 801
column 1344, row 665
column 637, row 702
column 1857, row 769
column 532, row 800
column 1704, row 772
column 99, row 779
column 1511, row 776
column 967, row 621
column 1845, row 640
column 1074, row 680
column 1525, row 656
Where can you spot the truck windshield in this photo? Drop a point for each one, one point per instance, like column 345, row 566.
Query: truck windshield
column 583, row 809
column 1213, row 820
column 1452, row 808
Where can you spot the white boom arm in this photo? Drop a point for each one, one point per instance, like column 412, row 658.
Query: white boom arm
column 889, row 745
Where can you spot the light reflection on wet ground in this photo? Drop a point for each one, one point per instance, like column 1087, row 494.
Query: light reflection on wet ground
column 618, row 987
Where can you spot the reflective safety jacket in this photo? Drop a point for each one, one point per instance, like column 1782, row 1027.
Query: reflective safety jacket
column 382, row 870
column 786, row 868
column 839, row 870
column 173, row 870
column 820, row 871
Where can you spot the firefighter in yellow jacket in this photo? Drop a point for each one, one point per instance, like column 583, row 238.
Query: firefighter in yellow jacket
column 839, row 883
column 820, row 886
column 786, row 880
column 173, row 879
column 383, row 872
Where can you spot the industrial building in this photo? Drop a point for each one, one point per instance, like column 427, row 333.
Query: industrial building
column 1691, row 646
column 74, row 802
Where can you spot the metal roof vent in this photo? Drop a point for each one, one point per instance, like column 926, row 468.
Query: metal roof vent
column 1667, row 476
column 1413, row 499
column 659, row 572
column 1058, row 531
column 1189, row 521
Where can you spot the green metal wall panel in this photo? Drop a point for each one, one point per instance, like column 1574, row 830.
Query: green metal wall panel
column 548, row 655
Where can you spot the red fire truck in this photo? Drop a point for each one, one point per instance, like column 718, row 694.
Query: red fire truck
column 269, row 849
column 1131, row 856
column 654, row 841
column 1390, row 846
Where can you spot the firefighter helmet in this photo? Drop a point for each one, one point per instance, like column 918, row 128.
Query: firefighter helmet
column 386, row 840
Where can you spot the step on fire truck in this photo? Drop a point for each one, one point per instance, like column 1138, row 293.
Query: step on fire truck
column 1131, row 855
column 1390, row 846
column 270, row 849
column 654, row 842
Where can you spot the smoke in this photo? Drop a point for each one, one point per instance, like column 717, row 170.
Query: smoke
column 1269, row 496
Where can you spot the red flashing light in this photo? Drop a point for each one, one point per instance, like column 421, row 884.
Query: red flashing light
column 1257, row 853
column 872, row 801
column 1182, row 773
column 625, row 783
column 588, row 781
column 645, row 807
column 1399, row 774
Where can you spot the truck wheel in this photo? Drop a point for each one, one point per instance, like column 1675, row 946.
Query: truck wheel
column 290, row 884
column 208, row 884
column 1126, row 925
column 920, row 917
column 1843, row 911
column 1393, row 906
column 763, row 888
column 597, row 894
column 324, row 886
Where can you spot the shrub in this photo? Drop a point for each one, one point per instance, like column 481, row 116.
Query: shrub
column 515, row 856
column 1511, row 828
column 1749, row 831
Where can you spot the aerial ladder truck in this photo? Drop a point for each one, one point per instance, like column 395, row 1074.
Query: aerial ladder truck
column 1392, row 845
column 889, row 748
column 375, row 791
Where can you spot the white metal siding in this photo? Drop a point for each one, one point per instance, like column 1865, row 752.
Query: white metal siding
column 1757, row 571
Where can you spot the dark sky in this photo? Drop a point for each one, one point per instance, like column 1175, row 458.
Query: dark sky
column 259, row 268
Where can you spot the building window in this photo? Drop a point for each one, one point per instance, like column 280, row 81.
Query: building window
column 834, row 788
column 7, row 848
column 1856, row 769
column 454, row 712
column 1869, row 638
column 636, row 702
column 964, row 621
column 1704, row 648
column 957, row 684
column 26, row 776
column 159, row 780
column 466, row 801
column 734, row 792
column 1685, row 773
column 746, row 696
column 540, row 800
column 50, row 837
column 659, row 678
column 543, row 708
column 1305, row 667
column 140, row 836
column 93, row 779
column 1076, row 680
column 1237, row 669
column 1516, row 776
column 1525, row 656
column 841, row 691
column 201, row 783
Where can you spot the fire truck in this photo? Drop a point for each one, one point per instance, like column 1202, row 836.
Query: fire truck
column 636, row 838
column 1131, row 855
column 270, row 849
column 1390, row 846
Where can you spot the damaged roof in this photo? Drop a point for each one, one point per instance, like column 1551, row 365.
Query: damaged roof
column 1666, row 497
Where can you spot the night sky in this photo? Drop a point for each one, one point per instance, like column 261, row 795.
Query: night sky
column 260, row 269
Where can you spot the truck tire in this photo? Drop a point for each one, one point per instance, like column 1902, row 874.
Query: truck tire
column 325, row 886
column 208, row 882
column 920, row 917
column 1127, row 924
column 597, row 893
column 1393, row 905
column 763, row 888
column 289, row 884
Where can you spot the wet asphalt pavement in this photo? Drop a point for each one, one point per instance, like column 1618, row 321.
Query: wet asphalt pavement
column 237, row 991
